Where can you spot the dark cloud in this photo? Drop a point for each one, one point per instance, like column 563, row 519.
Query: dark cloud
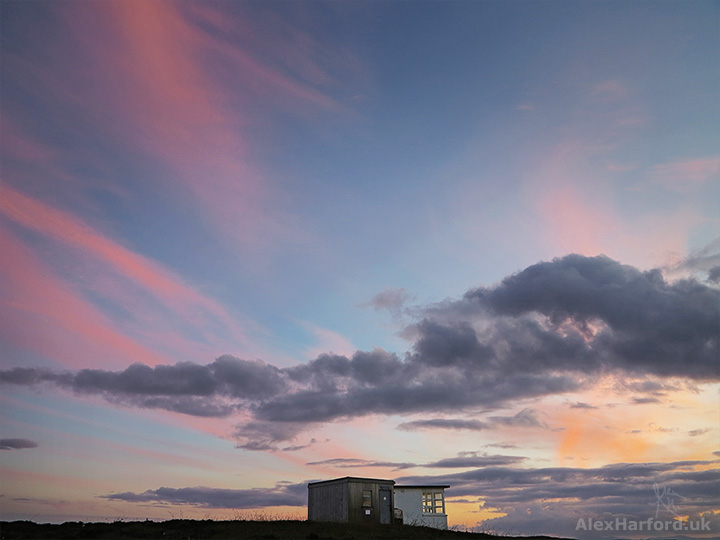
column 262, row 435
column 16, row 444
column 550, row 501
column 341, row 462
column 191, row 405
column 300, row 446
column 581, row 405
column 442, row 345
column 332, row 387
column 349, row 463
column 35, row 376
column 527, row 418
column 645, row 400
column 714, row 274
column 612, row 315
column 650, row 387
column 462, row 460
column 214, row 390
column 445, row 423
column 704, row 260
column 247, row 380
column 283, row 494
column 183, row 379
column 546, row 330
column 474, row 460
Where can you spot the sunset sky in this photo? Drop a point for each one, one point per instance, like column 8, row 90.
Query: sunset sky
column 248, row 245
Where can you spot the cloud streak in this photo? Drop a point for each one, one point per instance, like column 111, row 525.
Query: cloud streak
column 135, row 294
column 686, row 175
column 171, row 90
column 34, row 298
column 66, row 228
column 527, row 418
column 283, row 494
column 462, row 460
column 17, row 444
column 540, row 332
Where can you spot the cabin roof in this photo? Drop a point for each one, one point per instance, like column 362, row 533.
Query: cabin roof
column 353, row 479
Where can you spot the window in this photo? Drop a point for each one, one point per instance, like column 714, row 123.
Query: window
column 367, row 498
column 433, row 502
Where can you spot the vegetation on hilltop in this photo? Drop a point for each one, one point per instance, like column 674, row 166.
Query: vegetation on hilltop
column 184, row 529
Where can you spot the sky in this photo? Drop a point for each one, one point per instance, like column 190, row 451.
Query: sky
column 249, row 245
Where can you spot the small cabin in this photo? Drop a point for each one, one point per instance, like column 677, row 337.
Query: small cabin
column 372, row 500
column 422, row 505
column 351, row 500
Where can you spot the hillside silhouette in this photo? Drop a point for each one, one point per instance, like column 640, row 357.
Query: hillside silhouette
column 183, row 529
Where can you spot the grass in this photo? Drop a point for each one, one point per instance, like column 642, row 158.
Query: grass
column 186, row 529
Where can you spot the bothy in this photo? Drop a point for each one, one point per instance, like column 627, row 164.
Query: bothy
column 372, row 500
column 351, row 500
column 422, row 504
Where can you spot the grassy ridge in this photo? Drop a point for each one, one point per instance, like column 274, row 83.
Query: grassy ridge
column 185, row 529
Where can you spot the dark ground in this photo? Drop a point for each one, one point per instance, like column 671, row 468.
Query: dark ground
column 185, row 529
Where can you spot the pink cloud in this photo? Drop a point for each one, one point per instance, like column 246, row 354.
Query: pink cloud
column 609, row 91
column 685, row 175
column 162, row 305
column 15, row 146
column 620, row 168
column 42, row 314
column 64, row 227
column 42, row 480
column 141, row 73
column 170, row 90
column 176, row 85
column 574, row 225
column 327, row 341
column 576, row 219
column 574, row 204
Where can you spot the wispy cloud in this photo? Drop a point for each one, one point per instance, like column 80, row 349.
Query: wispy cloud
column 326, row 341
column 65, row 227
column 283, row 494
column 172, row 86
column 687, row 174
column 127, row 280
column 352, row 463
column 645, row 400
column 582, row 405
column 391, row 299
column 461, row 461
column 445, row 423
column 72, row 330
column 526, row 418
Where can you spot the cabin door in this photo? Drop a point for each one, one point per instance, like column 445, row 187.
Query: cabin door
column 386, row 510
